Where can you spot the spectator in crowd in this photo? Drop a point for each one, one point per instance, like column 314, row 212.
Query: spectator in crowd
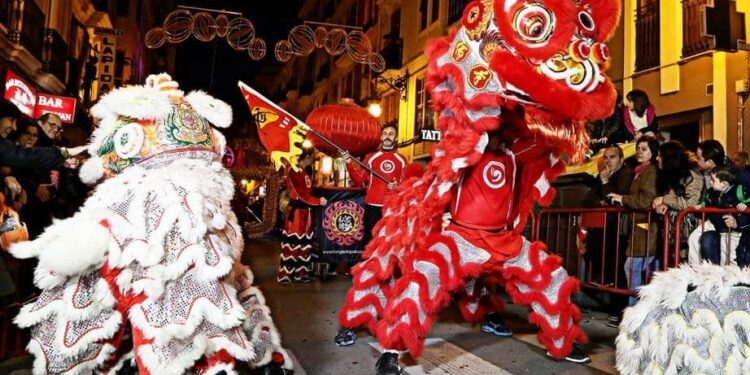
column 607, row 131
column 27, row 135
column 639, row 116
column 724, row 194
column 616, row 178
column 679, row 186
column 642, row 246
column 741, row 159
column 709, row 156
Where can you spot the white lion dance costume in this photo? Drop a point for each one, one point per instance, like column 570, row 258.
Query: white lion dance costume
column 689, row 320
column 530, row 73
column 148, row 268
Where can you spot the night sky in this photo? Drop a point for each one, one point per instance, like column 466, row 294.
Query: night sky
column 272, row 21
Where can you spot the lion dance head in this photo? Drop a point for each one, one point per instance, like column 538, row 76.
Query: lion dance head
column 526, row 69
column 154, row 123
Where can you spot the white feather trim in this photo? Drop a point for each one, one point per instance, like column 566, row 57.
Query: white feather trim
column 92, row 170
column 137, row 102
column 67, row 252
column 84, row 367
column 214, row 110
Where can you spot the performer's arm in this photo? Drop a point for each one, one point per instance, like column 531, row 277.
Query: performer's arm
column 296, row 182
column 358, row 175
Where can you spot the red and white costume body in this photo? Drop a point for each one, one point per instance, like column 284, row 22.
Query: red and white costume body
column 155, row 250
column 388, row 163
column 530, row 71
column 296, row 241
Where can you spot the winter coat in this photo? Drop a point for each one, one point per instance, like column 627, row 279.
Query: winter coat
column 641, row 195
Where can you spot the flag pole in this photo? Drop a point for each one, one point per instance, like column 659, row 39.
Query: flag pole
column 311, row 130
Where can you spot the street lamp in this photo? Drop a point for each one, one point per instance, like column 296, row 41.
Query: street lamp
column 374, row 108
column 398, row 83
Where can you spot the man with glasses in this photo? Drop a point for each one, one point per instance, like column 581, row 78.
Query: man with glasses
column 52, row 126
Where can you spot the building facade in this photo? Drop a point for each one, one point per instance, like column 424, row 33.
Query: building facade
column 691, row 79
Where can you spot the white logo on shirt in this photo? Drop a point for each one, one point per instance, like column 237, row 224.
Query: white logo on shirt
column 494, row 175
column 387, row 166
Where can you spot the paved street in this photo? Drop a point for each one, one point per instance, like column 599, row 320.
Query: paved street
column 306, row 315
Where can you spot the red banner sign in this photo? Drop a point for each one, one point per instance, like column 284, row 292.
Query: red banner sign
column 20, row 93
column 62, row 106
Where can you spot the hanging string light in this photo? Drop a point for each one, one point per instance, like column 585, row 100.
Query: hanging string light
column 239, row 33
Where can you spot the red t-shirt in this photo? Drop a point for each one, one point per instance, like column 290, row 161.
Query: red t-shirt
column 484, row 197
column 390, row 164
column 299, row 185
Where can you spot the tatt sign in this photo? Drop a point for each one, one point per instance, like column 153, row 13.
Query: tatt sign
column 20, row 93
column 62, row 106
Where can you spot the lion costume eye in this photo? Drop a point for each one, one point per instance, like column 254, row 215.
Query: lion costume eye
column 534, row 23
column 586, row 21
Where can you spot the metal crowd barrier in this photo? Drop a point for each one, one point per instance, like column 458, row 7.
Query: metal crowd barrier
column 701, row 212
column 609, row 232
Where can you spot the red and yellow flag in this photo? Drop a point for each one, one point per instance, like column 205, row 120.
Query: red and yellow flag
column 280, row 132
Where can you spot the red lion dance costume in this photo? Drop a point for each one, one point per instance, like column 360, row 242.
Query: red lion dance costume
column 531, row 73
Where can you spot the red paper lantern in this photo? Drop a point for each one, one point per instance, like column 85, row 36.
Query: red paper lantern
column 347, row 125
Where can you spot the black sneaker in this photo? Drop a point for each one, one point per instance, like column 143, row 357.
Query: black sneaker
column 345, row 337
column 576, row 355
column 388, row 364
column 613, row 318
column 614, row 323
column 493, row 324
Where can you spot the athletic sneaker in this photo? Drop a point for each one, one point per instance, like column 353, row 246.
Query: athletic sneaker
column 614, row 321
column 388, row 364
column 576, row 355
column 345, row 337
column 493, row 324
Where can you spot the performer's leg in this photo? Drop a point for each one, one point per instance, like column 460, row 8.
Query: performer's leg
column 424, row 289
column 537, row 279
column 286, row 259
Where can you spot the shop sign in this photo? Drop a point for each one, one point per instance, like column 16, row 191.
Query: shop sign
column 20, row 93
column 62, row 106
column 431, row 135
column 107, row 64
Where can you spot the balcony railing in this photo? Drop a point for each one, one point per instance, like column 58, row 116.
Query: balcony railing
column 693, row 40
column 647, row 36
column 32, row 32
column 456, row 10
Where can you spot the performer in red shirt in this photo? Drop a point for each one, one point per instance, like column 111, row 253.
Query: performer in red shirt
column 388, row 163
column 296, row 241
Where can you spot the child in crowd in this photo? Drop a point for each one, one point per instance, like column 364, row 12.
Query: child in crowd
column 725, row 192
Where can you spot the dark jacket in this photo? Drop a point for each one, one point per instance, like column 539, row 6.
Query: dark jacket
column 16, row 156
column 612, row 127
column 619, row 183
column 725, row 199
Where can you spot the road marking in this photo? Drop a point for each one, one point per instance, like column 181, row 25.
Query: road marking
column 443, row 358
column 603, row 361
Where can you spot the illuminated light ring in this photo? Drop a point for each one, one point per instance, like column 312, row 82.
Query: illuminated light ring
column 335, row 42
column 204, row 27
column 283, row 51
column 178, row 26
column 241, row 32
column 358, row 46
column 320, row 36
column 377, row 62
column 302, row 40
column 222, row 25
column 257, row 49
column 155, row 38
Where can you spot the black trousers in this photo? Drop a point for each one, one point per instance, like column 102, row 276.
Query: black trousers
column 373, row 214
